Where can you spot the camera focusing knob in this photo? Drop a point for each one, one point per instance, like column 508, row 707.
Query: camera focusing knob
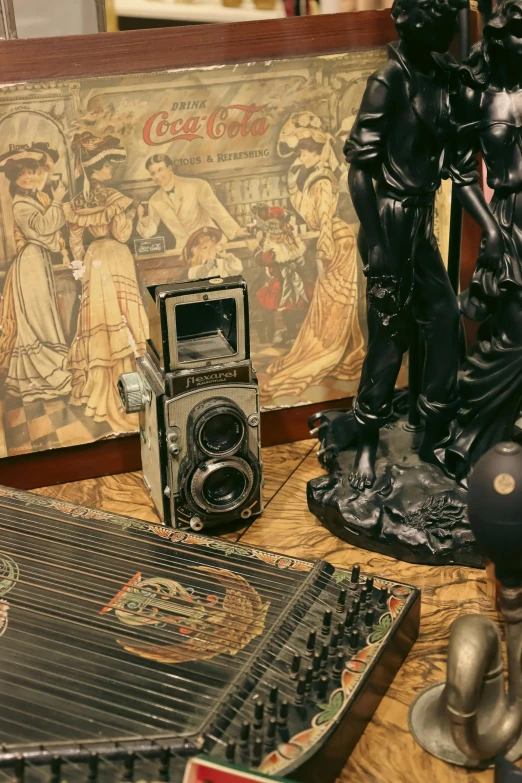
column 173, row 445
column 132, row 391
column 196, row 523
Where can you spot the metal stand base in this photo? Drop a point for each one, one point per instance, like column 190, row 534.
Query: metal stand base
column 430, row 728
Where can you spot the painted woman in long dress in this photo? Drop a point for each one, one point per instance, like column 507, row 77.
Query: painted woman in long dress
column 330, row 342
column 33, row 350
column 112, row 325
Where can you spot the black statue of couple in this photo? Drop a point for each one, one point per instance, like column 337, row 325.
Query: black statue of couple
column 423, row 117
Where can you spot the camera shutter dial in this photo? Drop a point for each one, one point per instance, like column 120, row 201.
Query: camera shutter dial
column 132, row 391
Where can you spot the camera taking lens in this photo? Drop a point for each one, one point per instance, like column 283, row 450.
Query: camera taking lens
column 222, row 485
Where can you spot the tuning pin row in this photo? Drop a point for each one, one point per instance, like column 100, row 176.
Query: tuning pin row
column 271, row 733
column 272, row 700
column 257, row 752
column 354, row 579
column 334, row 641
column 354, row 639
column 230, row 751
column 300, row 690
column 304, row 685
column 259, row 713
column 383, row 595
column 346, row 633
column 339, row 663
column 282, row 718
column 244, row 733
column 340, row 632
column 324, row 656
column 258, row 736
column 327, row 622
column 344, row 638
column 322, row 687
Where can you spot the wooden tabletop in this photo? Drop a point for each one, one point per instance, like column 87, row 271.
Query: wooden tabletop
column 386, row 752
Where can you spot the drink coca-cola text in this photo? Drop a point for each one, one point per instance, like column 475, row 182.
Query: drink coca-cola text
column 225, row 121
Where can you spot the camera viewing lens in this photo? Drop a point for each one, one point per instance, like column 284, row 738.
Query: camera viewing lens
column 225, row 486
column 221, row 433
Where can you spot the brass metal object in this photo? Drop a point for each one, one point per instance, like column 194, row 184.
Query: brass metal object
column 473, row 717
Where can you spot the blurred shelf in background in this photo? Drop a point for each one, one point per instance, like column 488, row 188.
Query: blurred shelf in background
column 192, row 12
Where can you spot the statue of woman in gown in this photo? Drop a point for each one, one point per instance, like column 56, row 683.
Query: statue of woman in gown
column 490, row 120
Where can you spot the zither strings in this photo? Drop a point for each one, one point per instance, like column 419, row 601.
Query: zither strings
column 74, row 538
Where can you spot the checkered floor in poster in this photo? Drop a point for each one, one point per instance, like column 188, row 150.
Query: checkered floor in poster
column 42, row 425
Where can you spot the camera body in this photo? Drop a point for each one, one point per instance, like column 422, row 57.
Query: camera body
column 198, row 402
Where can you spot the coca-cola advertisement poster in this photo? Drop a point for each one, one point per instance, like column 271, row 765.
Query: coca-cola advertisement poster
column 110, row 184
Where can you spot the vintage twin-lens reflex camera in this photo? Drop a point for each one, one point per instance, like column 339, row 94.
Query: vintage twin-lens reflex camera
column 197, row 395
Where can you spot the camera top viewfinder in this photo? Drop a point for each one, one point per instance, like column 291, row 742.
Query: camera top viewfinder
column 200, row 323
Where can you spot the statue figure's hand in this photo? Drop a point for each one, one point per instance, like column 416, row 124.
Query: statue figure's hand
column 378, row 263
column 492, row 249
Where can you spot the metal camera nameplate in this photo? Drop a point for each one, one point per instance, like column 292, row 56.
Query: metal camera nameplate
column 187, row 381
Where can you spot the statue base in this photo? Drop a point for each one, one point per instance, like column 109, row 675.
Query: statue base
column 413, row 511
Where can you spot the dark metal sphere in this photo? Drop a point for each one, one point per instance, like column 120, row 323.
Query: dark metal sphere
column 495, row 508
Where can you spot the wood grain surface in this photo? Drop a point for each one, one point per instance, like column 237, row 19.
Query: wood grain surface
column 185, row 47
column 122, row 454
column 386, row 752
column 125, row 493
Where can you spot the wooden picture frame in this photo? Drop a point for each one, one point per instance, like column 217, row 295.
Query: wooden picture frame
column 147, row 51
column 138, row 51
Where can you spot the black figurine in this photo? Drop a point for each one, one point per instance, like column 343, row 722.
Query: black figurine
column 399, row 150
column 489, row 112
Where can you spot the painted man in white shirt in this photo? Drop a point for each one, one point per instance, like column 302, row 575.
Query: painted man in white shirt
column 182, row 204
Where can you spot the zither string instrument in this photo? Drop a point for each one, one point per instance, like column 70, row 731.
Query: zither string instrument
column 126, row 648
